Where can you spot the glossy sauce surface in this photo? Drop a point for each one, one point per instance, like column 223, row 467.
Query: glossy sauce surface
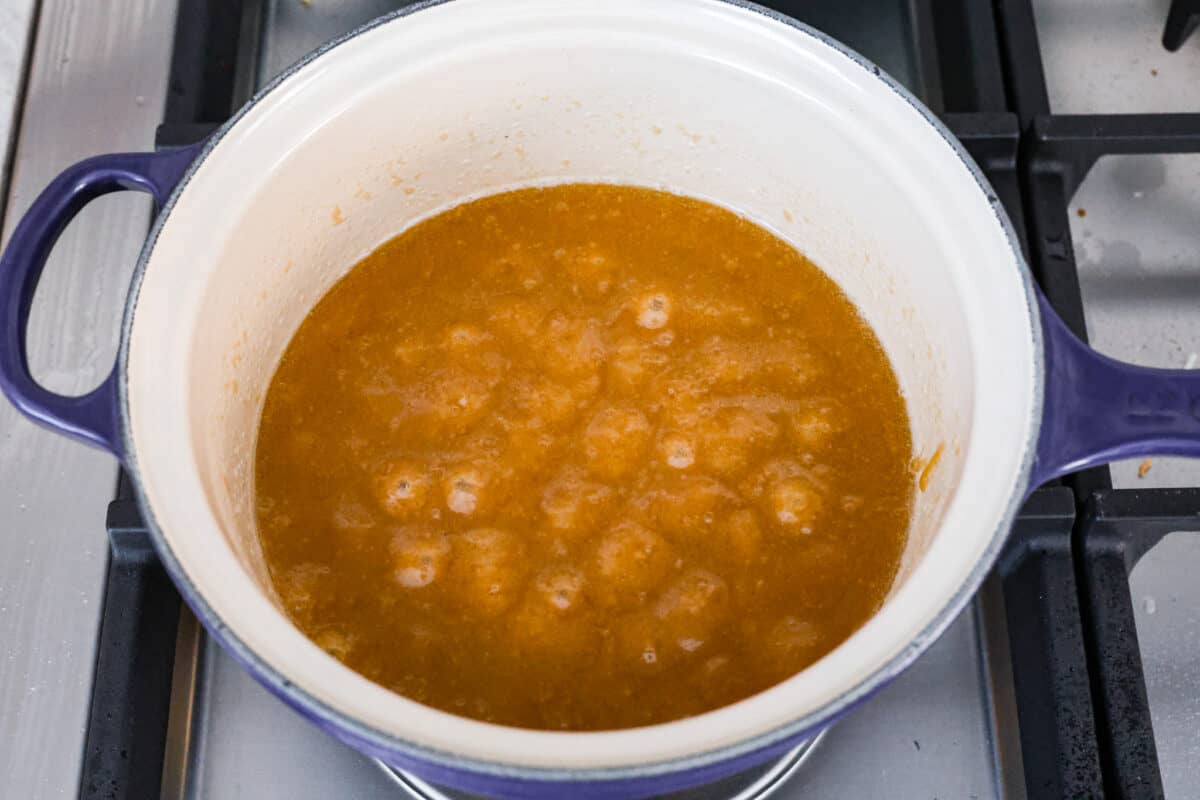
column 583, row 457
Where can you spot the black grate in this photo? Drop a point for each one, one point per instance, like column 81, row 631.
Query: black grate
column 127, row 723
column 1182, row 19
column 1113, row 528
column 126, row 734
column 1084, row 720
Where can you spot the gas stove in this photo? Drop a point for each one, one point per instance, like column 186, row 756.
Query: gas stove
column 1075, row 673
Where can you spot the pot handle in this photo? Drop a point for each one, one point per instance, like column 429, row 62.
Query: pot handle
column 1098, row 409
column 93, row 418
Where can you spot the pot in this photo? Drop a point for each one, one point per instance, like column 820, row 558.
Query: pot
column 445, row 102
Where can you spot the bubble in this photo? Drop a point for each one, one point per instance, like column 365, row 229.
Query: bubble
column 402, row 489
column 462, row 497
column 679, row 451
column 336, row 643
column 793, row 502
column 466, row 488
column 654, row 311
column 419, row 558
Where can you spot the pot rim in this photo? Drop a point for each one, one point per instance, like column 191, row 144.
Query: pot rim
column 379, row 742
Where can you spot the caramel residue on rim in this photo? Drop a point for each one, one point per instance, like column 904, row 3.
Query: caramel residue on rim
column 927, row 470
column 1144, row 467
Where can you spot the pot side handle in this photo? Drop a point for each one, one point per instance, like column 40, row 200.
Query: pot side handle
column 93, row 418
column 1098, row 409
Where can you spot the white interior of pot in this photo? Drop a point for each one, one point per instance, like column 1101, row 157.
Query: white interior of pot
column 478, row 96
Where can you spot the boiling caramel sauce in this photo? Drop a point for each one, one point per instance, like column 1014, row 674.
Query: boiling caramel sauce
column 583, row 457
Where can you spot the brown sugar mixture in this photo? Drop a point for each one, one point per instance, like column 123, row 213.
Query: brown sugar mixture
column 583, row 457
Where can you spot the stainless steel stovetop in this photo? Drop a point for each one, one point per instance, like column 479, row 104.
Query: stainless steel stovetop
column 97, row 81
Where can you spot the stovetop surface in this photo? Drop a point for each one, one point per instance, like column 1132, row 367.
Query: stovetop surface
column 944, row 729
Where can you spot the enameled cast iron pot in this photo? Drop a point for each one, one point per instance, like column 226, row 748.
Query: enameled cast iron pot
column 429, row 107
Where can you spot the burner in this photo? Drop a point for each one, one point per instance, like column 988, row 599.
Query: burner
column 753, row 784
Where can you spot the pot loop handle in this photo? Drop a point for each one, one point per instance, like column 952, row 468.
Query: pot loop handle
column 93, row 418
column 1098, row 409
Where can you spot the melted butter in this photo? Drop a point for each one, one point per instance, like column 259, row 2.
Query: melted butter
column 583, row 457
